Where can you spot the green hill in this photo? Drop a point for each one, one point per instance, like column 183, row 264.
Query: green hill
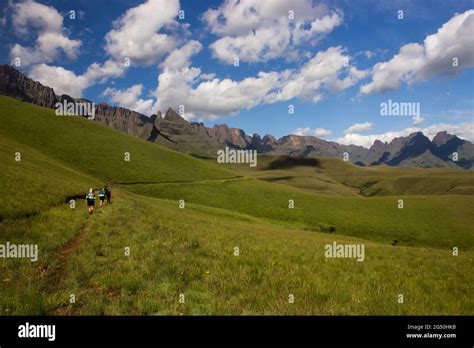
column 99, row 150
column 335, row 177
column 191, row 251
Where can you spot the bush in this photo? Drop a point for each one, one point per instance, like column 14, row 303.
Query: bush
column 327, row 228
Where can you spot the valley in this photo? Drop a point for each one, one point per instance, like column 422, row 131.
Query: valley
column 175, row 251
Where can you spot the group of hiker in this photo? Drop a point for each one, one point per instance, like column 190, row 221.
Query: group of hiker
column 104, row 195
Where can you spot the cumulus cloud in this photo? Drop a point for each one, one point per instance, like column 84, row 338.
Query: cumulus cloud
column 206, row 96
column 100, row 73
column 180, row 58
column 130, row 38
column 418, row 62
column 359, row 127
column 138, row 36
column 258, row 31
column 317, row 28
column 130, row 99
column 260, row 45
column 317, row 132
column 51, row 40
column 327, row 70
column 64, row 81
column 211, row 98
column 463, row 130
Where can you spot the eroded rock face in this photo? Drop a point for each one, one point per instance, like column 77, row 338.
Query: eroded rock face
column 124, row 120
column 442, row 138
column 16, row 85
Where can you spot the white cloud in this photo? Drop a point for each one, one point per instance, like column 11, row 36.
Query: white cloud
column 205, row 96
column 100, row 73
column 212, row 98
column 136, row 34
column 328, row 70
column 38, row 16
column 64, row 81
column 317, row 28
column 180, row 58
column 210, row 76
column 462, row 130
column 359, row 127
column 61, row 80
column 418, row 120
column 418, row 62
column 51, row 40
column 258, row 31
column 317, row 132
column 142, row 44
column 130, row 99
column 259, row 46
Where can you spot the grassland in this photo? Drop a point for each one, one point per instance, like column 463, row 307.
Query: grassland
column 97, row 149
column 190, row 251
column 331, row 176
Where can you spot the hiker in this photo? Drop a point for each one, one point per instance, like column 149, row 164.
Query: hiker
column 102, row 196
column 90, row 199
column 108, row 195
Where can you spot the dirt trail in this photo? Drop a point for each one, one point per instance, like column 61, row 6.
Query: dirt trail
column 66, row 252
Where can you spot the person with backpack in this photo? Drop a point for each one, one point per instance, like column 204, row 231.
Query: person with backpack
column 108, row 195
column 102, row 196
column 90, row 200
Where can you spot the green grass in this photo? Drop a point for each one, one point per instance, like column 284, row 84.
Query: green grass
column 36, row 181
column 190, row 251
column 422, row 222
column 98, row 150
column 332, row 176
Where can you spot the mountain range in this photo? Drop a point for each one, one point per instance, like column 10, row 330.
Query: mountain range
column 175, row 132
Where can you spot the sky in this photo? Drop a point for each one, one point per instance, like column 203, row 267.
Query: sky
column 305, row 67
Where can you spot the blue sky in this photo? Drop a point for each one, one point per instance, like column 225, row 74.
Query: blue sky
column 335, row 62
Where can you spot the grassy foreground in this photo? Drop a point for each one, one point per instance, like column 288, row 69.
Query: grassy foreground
column 191, row 251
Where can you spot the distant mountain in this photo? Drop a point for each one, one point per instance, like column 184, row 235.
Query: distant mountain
column 173, row 131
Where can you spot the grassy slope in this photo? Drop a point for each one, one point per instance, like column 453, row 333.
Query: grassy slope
column 97, row 149
column 422, row 222
column 36, row 181
column 335, row 177
column 189, row 250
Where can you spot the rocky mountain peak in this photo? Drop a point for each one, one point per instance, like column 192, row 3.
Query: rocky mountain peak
column 268, row 138
column 378, row 143
column 442, row 138
column 172, row 116
column 292, row 140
